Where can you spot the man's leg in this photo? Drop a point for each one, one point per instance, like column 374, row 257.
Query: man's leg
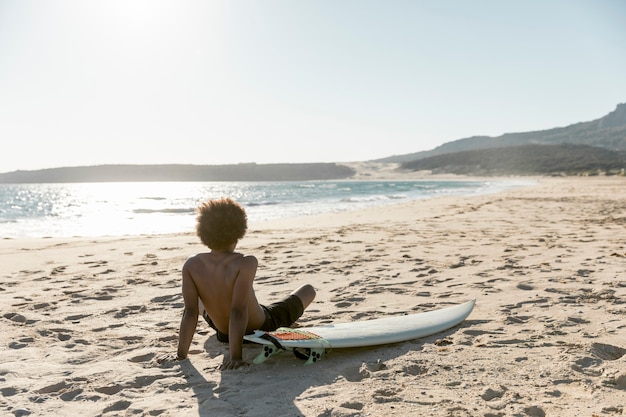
column 306, row 294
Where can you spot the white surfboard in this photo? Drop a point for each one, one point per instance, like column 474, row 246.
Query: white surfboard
column 386, row 330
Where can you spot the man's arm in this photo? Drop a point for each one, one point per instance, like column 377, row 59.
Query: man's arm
column 239, row 311
column 190, row 315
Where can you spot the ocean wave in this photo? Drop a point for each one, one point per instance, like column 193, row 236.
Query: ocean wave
column 365, row 199
column 167, row 210
column 261, row 203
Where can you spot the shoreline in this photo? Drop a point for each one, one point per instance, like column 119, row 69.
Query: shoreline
column 134, row 217
column 84, row 318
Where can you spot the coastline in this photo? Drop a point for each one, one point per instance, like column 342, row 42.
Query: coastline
column 140, row 208
column 84, row 319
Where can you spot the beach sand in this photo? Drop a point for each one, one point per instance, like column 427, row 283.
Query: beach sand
column 82, row 320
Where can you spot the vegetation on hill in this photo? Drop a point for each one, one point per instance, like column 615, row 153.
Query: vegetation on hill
column 607, row 132
column 131, row 173
column 526, row 160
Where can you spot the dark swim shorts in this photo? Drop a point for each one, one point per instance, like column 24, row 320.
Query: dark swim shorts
column 282, row 313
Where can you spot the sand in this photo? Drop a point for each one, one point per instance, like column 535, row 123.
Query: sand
column 83, row 320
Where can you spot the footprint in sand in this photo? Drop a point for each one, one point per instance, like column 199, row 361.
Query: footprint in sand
column 15, row 317
column 45, row 278
column 607, row 352
column 343, row 304
column 131, row 340
column 126, row 311
column 414, row 370
column 58, row 270
column 77, row 318
column 171, row 301
column 100, row 296
column 62, row 334
column 142, row 358
column 9, row 391
column 118, row 406
column 106, row 271
column 387, row 395
column 492, row 394
column 21, row 343
column 54, row 388
column 588, row 366
column 365, row 370
column 95, row 264
column 353, row 405
column 112, row 326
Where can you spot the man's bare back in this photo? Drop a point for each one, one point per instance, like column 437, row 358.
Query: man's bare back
column 214, row 275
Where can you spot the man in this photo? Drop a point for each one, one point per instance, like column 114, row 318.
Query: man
column 222, row 280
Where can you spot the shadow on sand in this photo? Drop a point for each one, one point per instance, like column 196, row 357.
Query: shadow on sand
column 283, row 385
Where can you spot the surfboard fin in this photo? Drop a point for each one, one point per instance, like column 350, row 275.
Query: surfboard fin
column 315, row 355
column 267, row 352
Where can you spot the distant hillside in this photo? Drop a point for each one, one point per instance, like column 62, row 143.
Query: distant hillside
column 525, row 160
column 130, row 173
column 607, row 132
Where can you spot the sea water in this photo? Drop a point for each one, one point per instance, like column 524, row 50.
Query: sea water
column 136, row 208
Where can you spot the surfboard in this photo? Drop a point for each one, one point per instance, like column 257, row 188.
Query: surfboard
column 313, row 342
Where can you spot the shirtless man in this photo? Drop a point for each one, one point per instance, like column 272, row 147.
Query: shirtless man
column 221, row 282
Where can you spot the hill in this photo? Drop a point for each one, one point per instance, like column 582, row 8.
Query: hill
column 132, row 173
column 608, row 132
column 564, row 159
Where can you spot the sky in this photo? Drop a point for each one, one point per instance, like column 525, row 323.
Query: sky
column 86, row 82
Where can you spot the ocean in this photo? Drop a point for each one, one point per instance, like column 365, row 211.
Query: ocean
column 140, row 208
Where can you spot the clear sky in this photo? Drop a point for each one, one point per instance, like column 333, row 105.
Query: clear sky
column 85, row 82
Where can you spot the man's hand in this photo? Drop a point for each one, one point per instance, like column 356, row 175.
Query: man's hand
column 233, row 364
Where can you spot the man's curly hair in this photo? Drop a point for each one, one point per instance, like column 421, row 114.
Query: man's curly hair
column 221, row 223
